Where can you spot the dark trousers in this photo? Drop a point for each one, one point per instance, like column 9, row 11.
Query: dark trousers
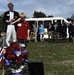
column 70, row 37
column 64, row 35
column 55, row 36
column 22, row 41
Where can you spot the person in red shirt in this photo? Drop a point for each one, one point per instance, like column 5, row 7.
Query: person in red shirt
column 23, row 29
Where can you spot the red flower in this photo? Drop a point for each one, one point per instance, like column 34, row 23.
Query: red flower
column 14, row 46
column 10, row 56
column 25, row 55
column 8, row 50
column 18, row 60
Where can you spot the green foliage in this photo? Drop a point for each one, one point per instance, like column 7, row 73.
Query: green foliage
column 38, row 14
column 72, row 17
column 50, row 16
column 2, row 24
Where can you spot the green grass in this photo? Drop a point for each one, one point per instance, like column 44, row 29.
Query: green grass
column 58, row 58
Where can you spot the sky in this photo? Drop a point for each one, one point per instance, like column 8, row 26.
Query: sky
column 57, row 8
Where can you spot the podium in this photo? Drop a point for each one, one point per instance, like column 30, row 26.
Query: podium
column 36, row 68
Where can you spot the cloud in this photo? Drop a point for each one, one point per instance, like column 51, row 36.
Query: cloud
column 49, row 7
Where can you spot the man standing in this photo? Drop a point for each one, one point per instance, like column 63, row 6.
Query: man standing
column 34, row 29
column 9, row 17
column 50, row 31
column 72, row 31
column 64, row 30
column 56, row 31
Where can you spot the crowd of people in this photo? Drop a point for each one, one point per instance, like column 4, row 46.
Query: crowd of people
column 57, row 31
column 60, row 31
column 19, row 30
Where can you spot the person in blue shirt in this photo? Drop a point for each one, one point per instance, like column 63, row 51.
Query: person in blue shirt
column 41, row 32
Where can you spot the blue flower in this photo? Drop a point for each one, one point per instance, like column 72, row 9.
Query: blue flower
column 7, row 62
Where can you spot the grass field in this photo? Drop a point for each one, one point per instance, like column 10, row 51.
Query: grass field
column 58, row 58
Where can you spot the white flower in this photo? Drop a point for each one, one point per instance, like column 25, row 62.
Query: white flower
column 19, row 53
column 15, row 70
column 22, row 66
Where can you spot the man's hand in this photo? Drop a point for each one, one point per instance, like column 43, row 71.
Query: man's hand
column 12, row 20
column 7, row 21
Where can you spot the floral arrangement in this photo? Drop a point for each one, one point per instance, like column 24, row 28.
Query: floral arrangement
column 14, row 57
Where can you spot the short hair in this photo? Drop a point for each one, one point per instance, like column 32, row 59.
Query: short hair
column 22, row 14
column 10, row 4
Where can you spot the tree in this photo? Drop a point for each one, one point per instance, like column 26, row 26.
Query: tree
column 38, row 14
column 69, row 19
column 2, row 24
column 50, row 16
column 72, row 17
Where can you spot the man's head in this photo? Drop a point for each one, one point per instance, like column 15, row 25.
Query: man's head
column 63, row 21
column 10, row 6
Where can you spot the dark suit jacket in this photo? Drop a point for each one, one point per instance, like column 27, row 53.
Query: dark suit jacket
column 64, row 28
column 7, row 17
